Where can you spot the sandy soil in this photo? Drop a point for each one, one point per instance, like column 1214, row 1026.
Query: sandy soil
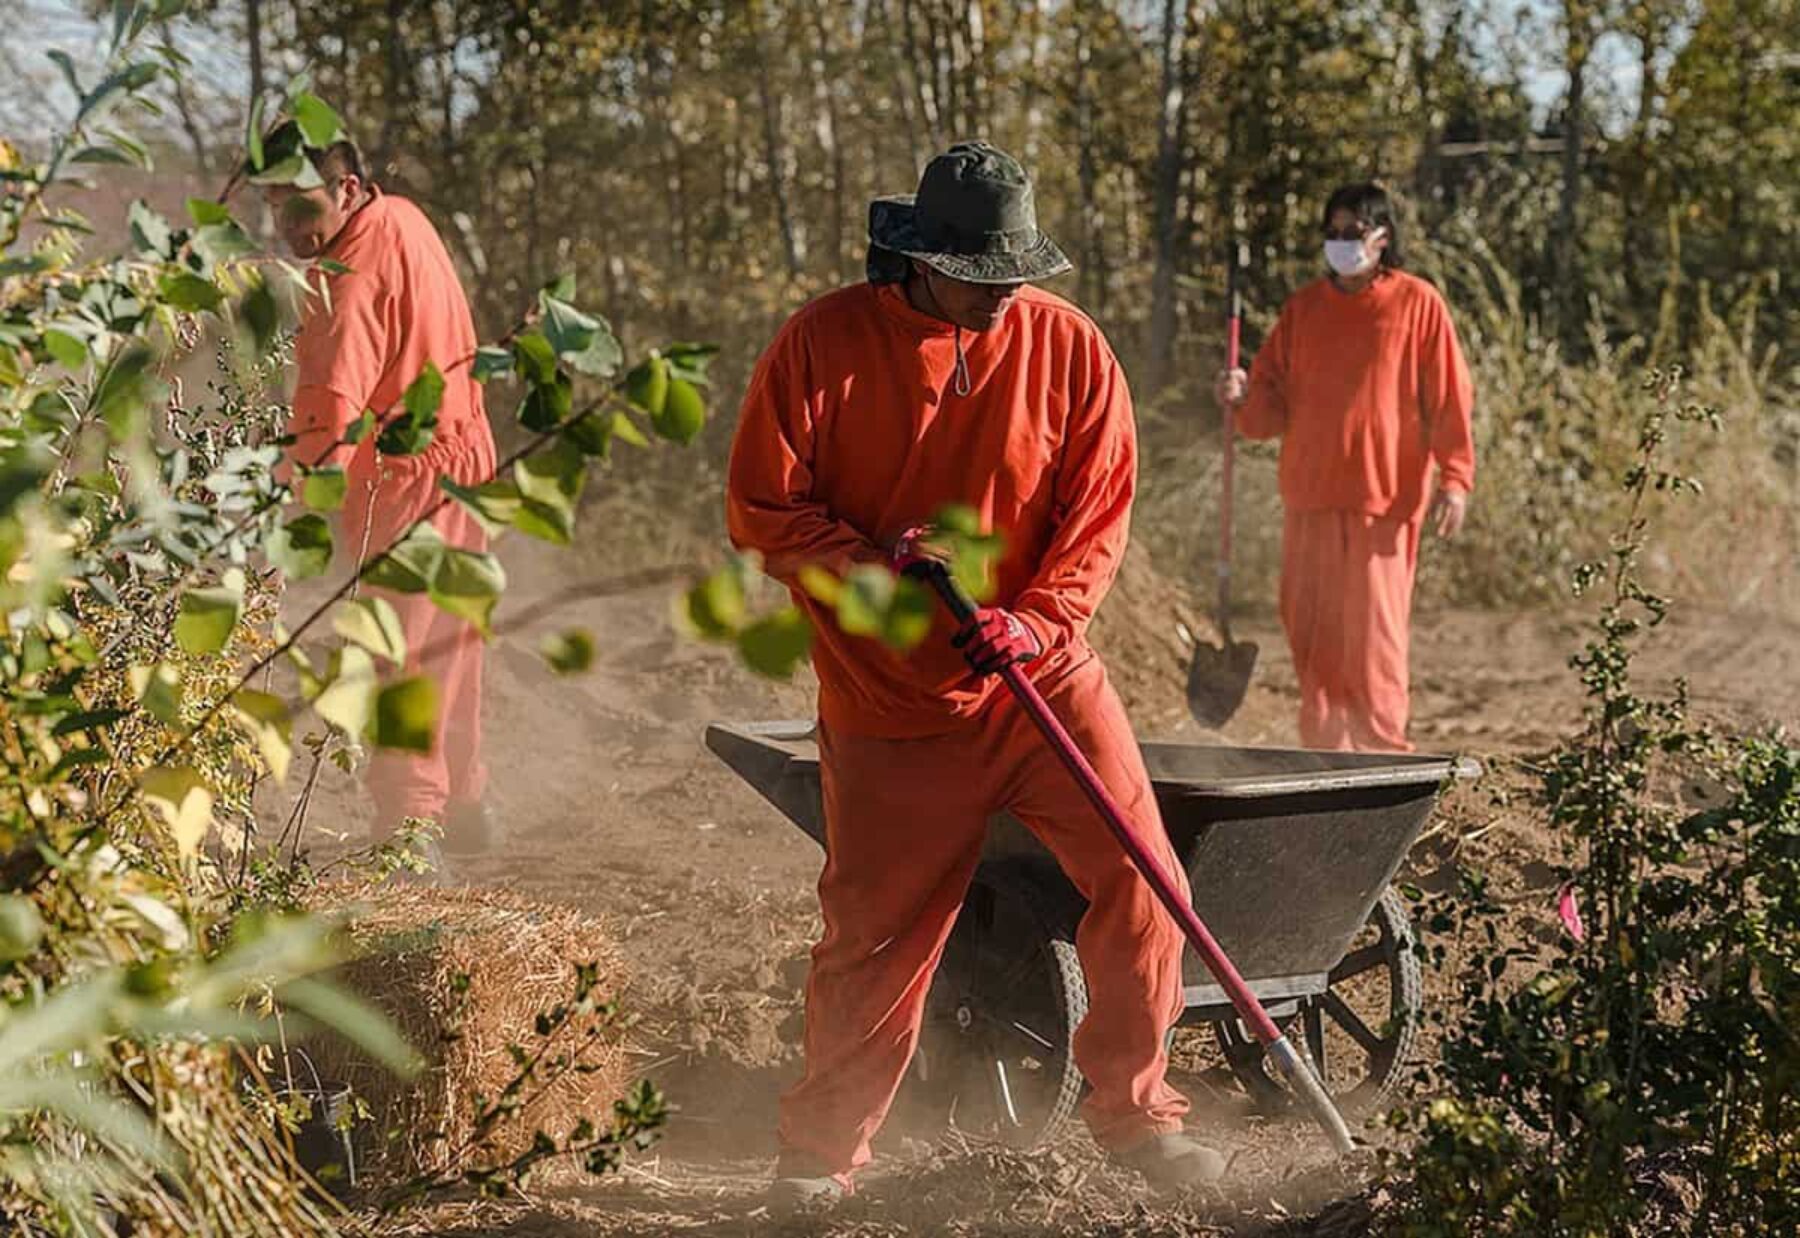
column 610, row 803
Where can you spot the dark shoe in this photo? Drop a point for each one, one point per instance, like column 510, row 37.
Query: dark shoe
column 791, row 1195
column 1173, row 1162
column 469, row 829
column 803, row 1185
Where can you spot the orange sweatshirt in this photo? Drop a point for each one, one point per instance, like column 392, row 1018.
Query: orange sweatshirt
column 852, row 432
column 399, row 306
column 1365, row 390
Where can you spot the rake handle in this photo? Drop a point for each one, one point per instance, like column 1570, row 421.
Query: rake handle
column 1162, row 883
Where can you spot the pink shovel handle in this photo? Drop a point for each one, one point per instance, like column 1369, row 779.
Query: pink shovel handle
column 1227, row 451
column 1161, row 881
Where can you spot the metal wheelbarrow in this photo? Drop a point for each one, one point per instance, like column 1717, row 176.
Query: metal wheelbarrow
column 1290, row 855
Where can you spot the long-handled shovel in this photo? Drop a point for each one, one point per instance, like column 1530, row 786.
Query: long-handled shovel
column 1219, row 677
column 1297, row 1070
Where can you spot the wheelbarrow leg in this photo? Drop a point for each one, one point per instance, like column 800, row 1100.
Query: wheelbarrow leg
column 1312, row 1018
column 1003, row 1097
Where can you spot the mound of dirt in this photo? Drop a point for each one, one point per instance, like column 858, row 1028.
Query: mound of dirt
column 465, row 975
column 1146, row 630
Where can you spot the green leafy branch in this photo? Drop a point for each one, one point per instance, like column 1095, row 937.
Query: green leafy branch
column 547, row 475
column 125, row 75
column 133, row 596
column 869, row 600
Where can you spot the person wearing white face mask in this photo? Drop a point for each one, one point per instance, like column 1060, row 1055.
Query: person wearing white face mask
column 1364, row 382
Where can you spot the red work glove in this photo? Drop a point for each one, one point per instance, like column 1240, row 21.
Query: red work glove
column 913, row 549
column 996, row 639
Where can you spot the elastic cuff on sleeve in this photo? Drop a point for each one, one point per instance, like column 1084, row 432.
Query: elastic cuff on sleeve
column 1040, row 627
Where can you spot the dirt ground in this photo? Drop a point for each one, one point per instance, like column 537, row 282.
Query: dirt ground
column 610, row 803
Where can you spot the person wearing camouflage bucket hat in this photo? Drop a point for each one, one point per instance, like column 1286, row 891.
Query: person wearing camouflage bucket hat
column 949, row 378
column 973, row 219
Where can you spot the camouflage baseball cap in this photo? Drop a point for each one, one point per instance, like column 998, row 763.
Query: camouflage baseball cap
column 972, row 219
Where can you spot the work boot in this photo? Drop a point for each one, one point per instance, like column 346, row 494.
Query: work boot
column 803, row 1185
column 1172, row 1161
column 468, row 829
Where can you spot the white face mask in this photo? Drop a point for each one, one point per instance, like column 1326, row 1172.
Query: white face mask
column 1352, row 258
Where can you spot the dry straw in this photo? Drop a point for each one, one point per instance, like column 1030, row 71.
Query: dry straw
column 412, row 944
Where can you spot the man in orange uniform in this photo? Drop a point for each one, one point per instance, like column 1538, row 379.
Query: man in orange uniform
column 397, row 307
column 1364, row 382
column 946, row 379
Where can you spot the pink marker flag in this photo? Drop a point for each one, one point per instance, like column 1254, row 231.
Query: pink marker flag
column 1569, row 911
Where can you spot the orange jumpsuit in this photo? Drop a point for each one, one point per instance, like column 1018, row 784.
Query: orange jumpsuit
column 399, row 306
column 851, row 433
column 1367, row 391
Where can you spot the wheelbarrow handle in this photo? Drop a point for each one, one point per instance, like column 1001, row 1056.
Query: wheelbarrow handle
column 1161, row 881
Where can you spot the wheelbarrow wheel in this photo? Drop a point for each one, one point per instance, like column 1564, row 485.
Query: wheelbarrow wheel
column 994, row 1055
column 1359, row 1032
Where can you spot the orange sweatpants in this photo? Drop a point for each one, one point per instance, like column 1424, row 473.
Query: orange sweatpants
column 905, row 820
column 379, row 510
column 1346, row 602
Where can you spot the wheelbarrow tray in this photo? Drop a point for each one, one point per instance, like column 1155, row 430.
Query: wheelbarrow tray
column 1286, row 850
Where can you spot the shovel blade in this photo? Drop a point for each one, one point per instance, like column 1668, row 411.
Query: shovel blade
column 1218, row 680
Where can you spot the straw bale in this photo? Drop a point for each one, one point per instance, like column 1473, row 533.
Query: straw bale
column 411, row 944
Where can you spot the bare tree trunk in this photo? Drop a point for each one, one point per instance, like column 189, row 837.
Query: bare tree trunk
column 1091, row 281
column 534, row 228
column 1744, row 68
column 343, row 62
column 825, row 94
column 462, row 192
column 185, row 109
column 253, row 37
column 1168, row 190
column 656, row 79
column 981, row 98
column 923, row 78
column 728, row 190
column 448, row 39
column 1425, row 172
column 1034, row 91
column 943, row 80
column 965, row 40
column 1566, row 270
column 1632, row 201
column 879, row 32
column 956, row 76
column 1286, row 188
column 775, row 149
column 1199, row 154
column 397, row 60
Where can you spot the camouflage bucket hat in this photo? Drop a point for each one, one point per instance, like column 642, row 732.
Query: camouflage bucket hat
column 973, row 219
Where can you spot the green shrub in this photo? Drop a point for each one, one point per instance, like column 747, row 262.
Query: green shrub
column 144, row 970
column 1660, row 1028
